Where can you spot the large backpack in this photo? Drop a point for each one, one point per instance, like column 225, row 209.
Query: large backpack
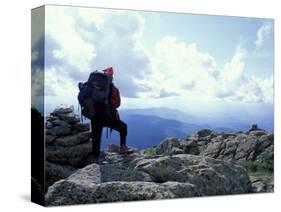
column 94, row 94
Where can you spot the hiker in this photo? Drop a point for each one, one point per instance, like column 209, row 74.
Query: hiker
column 114, row 122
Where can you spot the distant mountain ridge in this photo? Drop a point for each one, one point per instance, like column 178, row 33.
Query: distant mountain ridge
column 146, row 130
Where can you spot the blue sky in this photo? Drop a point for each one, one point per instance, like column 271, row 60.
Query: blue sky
column 217, row 35
column 160, row 59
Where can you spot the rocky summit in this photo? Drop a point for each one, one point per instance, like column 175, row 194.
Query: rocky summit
column 204, row 163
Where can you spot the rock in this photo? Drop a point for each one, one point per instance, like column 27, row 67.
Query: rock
column 209, row 176
column 246, row 148
column 191, row 147
column 267, row 154
column 55, row 172
column 49, row 139
column 70, row 118
column 60, row 123
column 264, row 142
column 49, row 125
column 262, row 184
column 229, row 151
column 73, row 155
column 258, row 133
column 120, row 172
column 88, row 174
column 72, row 140
column 193, row 137
column 62, row 109
column 204, row 132
column 237, row 146
column 139, row 178
column 214, row 149
column 51, row 118
column 58, row 131
column 168, row 147
column 81, row 127
column 59, row 194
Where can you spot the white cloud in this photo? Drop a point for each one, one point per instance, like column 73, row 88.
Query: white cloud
column 57, row 83
column 233, row 70
column 181, row 69
column 177, row 68
column 90, row 40
column 263, row 34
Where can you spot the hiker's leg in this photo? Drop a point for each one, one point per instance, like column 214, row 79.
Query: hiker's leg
column 121, row 127
column 96, row 137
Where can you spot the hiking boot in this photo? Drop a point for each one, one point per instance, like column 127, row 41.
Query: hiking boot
column 124, row 150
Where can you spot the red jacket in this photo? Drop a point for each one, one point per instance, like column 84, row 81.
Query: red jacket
column 115, row 100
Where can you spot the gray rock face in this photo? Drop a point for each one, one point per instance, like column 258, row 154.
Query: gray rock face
column 262, row 184
column 209, row 176
column 115, row 191
column 55, row 172
column 58, row 131
column 72, row 140
column 140, row 178
column 169, row 146
column 72, row 155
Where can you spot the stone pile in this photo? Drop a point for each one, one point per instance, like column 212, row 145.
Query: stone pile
column 67, row 143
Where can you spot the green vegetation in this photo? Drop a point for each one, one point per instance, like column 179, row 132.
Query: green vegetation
column 150, row 151
column 258, row 166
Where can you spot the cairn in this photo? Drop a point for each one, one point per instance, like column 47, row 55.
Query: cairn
column 67, row 143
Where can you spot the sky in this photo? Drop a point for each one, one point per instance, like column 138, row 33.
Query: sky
column 174, row 60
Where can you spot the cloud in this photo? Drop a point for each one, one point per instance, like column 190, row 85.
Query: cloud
column 263, row 33
column 233, row 70
column 235, row 85
column 178, row 68
column 181, row 69
column 93, row 41
column 79, row 41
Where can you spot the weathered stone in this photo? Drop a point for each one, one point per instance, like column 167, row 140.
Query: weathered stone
column 49, row 125
column 73, row 155
column 81, row 127
column 166, row 146
column 81, row 193
column 50, row 139
column 210, row 176
column 72, row 140
column 245, row 148
column 61, row 123
column 58, row 131
column 262, row 184
column 62, row 109
column 204, row 132
column 258, row 133
column 191, row 146
column 214, row 149
column 55, row 172
column 70, row 118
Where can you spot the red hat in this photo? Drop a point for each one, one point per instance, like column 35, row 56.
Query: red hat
column 108, row 70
